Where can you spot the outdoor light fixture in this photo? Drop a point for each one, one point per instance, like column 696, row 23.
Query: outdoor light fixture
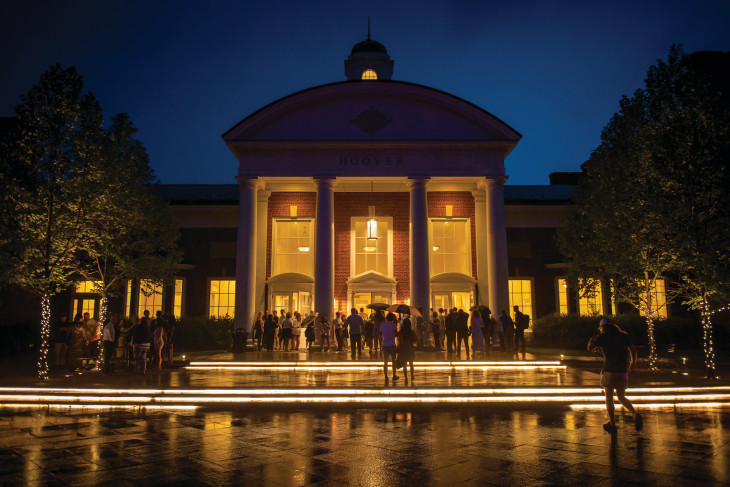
column 436, row 247
column 372, row 231
column 304, row 246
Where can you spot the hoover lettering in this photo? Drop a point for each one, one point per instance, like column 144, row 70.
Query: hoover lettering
column 372, row 161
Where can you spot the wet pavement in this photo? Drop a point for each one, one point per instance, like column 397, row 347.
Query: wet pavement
column 341, row 444
column 367, row 447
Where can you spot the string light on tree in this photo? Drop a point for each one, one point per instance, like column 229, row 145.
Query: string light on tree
column 45, row 336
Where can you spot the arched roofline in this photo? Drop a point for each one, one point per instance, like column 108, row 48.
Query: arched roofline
column 261, row 110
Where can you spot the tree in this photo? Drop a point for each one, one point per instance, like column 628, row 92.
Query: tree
column 77, row 202
column 47, row 168
column 651, row 203
column 130, row 233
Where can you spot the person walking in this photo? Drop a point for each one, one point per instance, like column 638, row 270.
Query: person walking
column 356, row 324
column 388, row 332
column 522, row 321
column 619, row 358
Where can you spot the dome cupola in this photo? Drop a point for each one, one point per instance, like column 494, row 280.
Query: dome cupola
column 368, row 60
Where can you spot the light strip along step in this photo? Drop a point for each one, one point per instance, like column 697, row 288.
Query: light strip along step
column 384, row 396
column 372, row 365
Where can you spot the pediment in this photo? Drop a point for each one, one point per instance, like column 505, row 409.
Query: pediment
column 371, row 278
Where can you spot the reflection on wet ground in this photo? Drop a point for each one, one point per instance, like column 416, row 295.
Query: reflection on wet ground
column 368, row 447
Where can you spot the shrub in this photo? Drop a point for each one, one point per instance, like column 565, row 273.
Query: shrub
column 203, row 333
column 573, row 331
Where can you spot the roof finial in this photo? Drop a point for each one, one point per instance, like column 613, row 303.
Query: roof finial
column 368, row 27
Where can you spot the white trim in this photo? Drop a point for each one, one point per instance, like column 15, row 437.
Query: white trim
column 310, row 221
column 371, row 282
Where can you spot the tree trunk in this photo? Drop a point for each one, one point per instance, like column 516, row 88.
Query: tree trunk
column 45, row 336
column 707, row 338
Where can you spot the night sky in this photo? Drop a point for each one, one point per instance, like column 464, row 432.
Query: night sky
column 186, row 72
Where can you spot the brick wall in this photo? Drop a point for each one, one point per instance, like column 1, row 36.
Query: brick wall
column 393, row 205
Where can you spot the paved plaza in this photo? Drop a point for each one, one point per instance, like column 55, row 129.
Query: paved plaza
column 347, row 444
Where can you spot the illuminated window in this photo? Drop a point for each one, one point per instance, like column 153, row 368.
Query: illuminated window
column 361, row 300
column 520, row 294
column 150, row 297
column 371, row 256
column 87, row 306
column 658, row 299
column 369, row 74
column 563, row 296
column 592, row 303
column 177, row 301
column 293, row 249
column 128, row 307
column 294, row 301
column 222, row 298
column 450, row 246
column 88, row 286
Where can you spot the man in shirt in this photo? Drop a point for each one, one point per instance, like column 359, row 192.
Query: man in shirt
column 520, row 325
column 619, row 357
column 388, row 331
column 450, row 330
column 356, row 324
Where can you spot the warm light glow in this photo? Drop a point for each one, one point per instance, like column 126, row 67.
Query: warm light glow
column 293, row 211
column 436, row 247
column 369, row 74
column 303, row 248
column 449, row 210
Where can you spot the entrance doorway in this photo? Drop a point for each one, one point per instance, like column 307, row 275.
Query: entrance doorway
column 461, row 300
column 294, row 301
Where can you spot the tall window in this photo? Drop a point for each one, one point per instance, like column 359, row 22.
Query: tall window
column 563, row 296
column 369, row 74
column 371, row 255
column 658, row 299
column 222, row 298
column 450, row 246
column 520, row 294
column 129, row 298
column 177, row 299
column 293, row 247
column 150, row 297
column 592, row 303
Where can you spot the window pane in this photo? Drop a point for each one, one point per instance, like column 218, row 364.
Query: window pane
column 520, row 294
column 222, row 297
column 290, row 238
column 592, row 304
column 374, row 260
column 562, row 296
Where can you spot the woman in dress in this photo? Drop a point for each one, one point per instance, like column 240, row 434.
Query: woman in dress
column 477, row 339
column 159, row 340
column 296, row 330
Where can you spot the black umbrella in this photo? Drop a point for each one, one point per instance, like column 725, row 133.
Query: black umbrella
column 308, row 319
column 404, row 309
column 378, row 306
column 482, row 308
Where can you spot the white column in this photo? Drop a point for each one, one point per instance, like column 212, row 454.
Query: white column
column 246, row 255
column 324, row 253
column 420, row 275
column 480, row 215
column 497, row 246
column 262, row 214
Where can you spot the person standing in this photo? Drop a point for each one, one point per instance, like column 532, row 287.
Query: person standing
column 141, row 338
column 378, row 320
column 405, row 353
column 309, row 335
column 171, row 326
column 286, row 331
column 619, row 358
column 325, row 325
column 338, row 331
column 450, row 325
column 461, row 322
column 258, row 329
column 521, row 324
column 498, row 331
column 442, row 329
column 435, row 329
column 508, row 327
column 296, row 330
column 61, row 338
column 77, row 343
column 355, row 323
column 476, row 327
column 388, row 331
column 270, row 327
column 93, row 332
column 109, row 333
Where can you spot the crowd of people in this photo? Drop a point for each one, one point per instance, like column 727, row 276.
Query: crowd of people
column 87, row 344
